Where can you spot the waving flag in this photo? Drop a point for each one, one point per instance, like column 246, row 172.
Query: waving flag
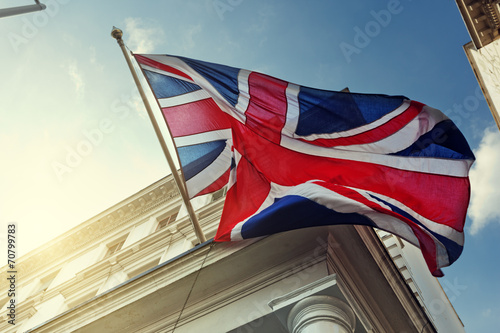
column 295, row 157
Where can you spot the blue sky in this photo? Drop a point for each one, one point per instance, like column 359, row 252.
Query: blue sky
column 66, row 90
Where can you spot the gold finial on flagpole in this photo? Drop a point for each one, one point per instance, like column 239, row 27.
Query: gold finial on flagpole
column 116, row 33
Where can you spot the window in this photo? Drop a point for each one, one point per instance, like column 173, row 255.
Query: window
column 163, row 223
column 115, row 247
column 219, row 194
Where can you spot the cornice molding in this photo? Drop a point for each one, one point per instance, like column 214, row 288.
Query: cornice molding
column 482, row 19
column 172, row 280
column 398, row 284
column 87, row 233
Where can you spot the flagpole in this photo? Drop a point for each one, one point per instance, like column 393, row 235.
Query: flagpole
column 117, row 34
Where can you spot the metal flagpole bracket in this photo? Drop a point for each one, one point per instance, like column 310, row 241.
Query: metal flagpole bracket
column 22, row 9
column 118, row 34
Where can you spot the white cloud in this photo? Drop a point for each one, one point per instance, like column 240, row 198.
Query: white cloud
column 93, row 54
column 190, row 36
column 142, row 37
column 485, row 182
column 76, row 76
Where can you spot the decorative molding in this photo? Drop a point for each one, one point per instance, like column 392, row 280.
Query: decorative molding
column 97, row 227
column 482, row 19
column 169, row 282
column 321, row 308
column 397, row 282
column 308, row 290
column 364, row 305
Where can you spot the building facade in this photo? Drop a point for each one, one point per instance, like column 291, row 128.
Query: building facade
column 137, row 267
column 482, row 19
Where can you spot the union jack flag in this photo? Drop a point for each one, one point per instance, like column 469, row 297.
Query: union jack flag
column 295, row 157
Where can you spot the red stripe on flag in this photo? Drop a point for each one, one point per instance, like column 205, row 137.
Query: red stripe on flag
column 428, row 248
column 426, row 241
column 158, row 65
column 196, row 117
column 375, row 134
column 217, row 185
column 251, row 186
column 436, row 197
column 266, row 113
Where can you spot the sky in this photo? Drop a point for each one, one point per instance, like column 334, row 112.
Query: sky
column 75, row 137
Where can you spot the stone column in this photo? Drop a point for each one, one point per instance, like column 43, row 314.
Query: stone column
column 319, row 314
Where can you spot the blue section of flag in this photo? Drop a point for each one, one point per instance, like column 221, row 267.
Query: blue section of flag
column 167, row 86
column 324, row 111
column 221, row 77
column 296, row 212
column 195, row 158
column 444, row 141
column 373, row 107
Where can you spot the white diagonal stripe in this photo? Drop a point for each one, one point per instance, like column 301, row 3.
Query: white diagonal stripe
column 441, row 229
column 342, row 204
column 212, row 172
column 194, row 139
column 162, row 72
column 405, row 137
column 191, row 97
column 199, row 80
